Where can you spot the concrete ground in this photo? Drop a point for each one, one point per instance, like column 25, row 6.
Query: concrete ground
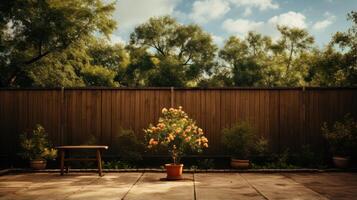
column 205, row 186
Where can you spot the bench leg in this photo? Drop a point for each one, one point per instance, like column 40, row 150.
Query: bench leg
column 99, row 160
column 62, row 161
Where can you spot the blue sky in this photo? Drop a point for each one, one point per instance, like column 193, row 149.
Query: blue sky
column 223, row 18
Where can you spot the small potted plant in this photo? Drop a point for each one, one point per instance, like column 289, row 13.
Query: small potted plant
column 239, row 140
column 342, row 139
column 37, row 148
column 177, row 133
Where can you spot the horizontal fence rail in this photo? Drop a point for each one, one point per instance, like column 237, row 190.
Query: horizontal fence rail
column 287, row 117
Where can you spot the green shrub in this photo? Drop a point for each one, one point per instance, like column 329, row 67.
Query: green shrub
column 36, row 145
column 206, row 164
column 127, row 146
column 239, row 140
column 342, row 136
column 117, row 164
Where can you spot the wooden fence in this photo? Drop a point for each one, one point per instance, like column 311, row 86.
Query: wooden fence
column 287, row 117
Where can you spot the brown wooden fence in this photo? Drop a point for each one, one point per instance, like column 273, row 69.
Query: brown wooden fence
column 288, row 117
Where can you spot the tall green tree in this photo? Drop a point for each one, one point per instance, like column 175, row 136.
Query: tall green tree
column 114, row 57
column 246, row 58
column 31, row 30
column 288, row 65
column 292, row 42
column 174, row 54
column 348, row 42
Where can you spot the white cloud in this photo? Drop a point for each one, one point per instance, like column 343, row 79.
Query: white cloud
column 322, row 24
column 247, row 12
column 206, row 10
column 116, row 39
column 290, row 19
column 261, row 4
column 241, row 26
column 130, row 13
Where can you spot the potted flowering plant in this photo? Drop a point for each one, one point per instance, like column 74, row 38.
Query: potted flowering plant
column 342, row 139
column 37, row 148
column 178, row 133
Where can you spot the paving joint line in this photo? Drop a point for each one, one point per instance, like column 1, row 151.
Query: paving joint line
column 137, row 180
column 194, row 186
column 291, row 178
column 260, row 193
column 81, row 188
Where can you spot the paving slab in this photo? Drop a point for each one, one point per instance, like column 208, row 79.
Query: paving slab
column 337, row 186
column 111, row 186
column 43, row 185
column 151, row 187
column 277, row 186
column 213, row 186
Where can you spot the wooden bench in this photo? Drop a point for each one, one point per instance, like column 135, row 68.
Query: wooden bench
column 98, row 149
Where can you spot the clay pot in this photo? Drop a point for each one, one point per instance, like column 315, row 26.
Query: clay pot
column 341, row 162
column 38, row 164
column 240, row 164
column 174, row 171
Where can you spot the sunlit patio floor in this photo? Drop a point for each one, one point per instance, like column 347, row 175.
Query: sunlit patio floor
column 205, row 186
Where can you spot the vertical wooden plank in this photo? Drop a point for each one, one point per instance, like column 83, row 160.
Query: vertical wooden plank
column 106, row 119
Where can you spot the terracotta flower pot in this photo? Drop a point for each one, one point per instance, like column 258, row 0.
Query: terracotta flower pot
column 174, row 171
column 240, row 164
column 38, row 164
column 341, row 162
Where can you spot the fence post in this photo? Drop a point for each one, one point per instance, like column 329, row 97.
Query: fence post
column 304, row 114
column 62, row 117
column 172, row 96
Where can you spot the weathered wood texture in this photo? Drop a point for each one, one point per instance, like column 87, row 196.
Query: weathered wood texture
column 288, row 118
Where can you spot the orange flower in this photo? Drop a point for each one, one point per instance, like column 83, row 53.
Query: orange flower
column 187, row 139
column 204, row 139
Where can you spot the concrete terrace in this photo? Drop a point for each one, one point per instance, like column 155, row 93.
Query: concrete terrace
column 205, row 186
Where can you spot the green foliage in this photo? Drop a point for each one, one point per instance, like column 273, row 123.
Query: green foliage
column 182, row 53
column 32, row 30
column 177, row 133
column 65, row 43
column 112, row 57
column 341, row 136
column 242, row 57
column 325, row 68
column 279, row 161
column 239, row 140
column 117, row 164
column 261, row 147
column 98, row 76
column 206, row 164
column 36, row 145
column 127, row 146
column 307, row 158
column 348, row 42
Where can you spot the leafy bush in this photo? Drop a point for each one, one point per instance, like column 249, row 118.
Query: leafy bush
column 128, row 146
column 206, row 164
column 176, row 132
column 342, row 136
column 36, row 144
column 239, row 140
column 278, row 161
column 117, row 165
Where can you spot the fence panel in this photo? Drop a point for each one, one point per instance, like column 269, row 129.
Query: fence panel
column 288, row 118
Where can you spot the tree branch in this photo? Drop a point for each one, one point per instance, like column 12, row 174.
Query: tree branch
column 38, row 57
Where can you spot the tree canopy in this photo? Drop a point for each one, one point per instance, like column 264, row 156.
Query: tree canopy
column 54, row 43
